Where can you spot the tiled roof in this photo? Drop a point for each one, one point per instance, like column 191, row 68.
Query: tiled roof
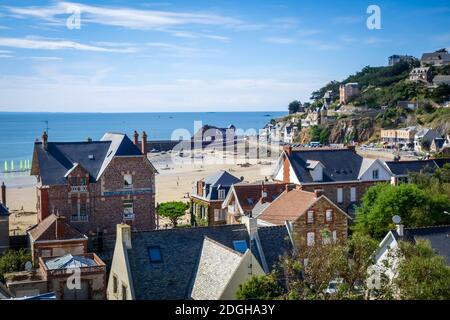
column 60, row 157
column 289, row 206
column 221, row 179
column 69, row 261
column 404, row 167
column 46, row 230
column 249, row 194
column 339, row 164
column 173, row 277
column 216, row 267
column 275, row 243
column 439, row 238
column 3, row 210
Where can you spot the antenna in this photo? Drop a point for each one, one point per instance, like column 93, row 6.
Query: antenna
column 396, row 219
column 46, row 125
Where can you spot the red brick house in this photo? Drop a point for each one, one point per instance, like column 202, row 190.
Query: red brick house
column 313, row 218
column 54, row 237
column 250, row 199
column 95, row 184
column 342, row 174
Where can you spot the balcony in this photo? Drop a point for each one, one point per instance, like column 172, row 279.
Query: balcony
column 128, row 216
column 78, row 188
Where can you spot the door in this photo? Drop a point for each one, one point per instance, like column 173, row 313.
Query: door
column 77, row 294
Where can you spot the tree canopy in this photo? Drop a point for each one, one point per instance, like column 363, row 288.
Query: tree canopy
column 13, row 260
column 172, row 210
column 294, row 106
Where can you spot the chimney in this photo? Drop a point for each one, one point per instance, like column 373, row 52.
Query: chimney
column 124, row 234
column 288, row 149
column 319, row 193
column 144, row 143
column 89, row 139
column 263, row 193
column 200, row 188
column 351, row 147
column 44, row 140
column 252, row 226
column 400, row 230
column 289, row 187
column 136, row 138
column 60, row 226
column 4, row 194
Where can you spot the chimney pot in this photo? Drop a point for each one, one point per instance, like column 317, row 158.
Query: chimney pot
column 319, row 192
column 124, row 234
column 288, row 149
column 4, row 194
column 136, row 138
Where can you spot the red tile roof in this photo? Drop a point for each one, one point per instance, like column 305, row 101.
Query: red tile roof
column 248, row 194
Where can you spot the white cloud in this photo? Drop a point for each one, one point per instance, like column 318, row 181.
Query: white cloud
column 279, row 40
column 51, row 44
column 321, row 45
column 122, row 16
column 349, row 19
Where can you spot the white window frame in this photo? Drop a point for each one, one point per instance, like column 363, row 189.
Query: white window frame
column 127, row 178
column 352, row 194
column 221, row 194
column 375, row 174
column 334, row 235
column 340, row 195
column 327, row 211
column 310, row 239
column 216, row 214
column 310, row 217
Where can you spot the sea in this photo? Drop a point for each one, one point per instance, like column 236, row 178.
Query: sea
column 18, row 130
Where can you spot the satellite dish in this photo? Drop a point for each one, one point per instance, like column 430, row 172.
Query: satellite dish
column 396, row 219
column 28, row 266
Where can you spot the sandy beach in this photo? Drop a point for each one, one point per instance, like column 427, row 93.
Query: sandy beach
column 175, row 179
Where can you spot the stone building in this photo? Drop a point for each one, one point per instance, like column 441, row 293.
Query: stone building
column 207, row 197
column 95, row 184
column 347, row 91
column 4, row 222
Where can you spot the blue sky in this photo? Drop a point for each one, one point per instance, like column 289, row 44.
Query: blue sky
column 198, row 55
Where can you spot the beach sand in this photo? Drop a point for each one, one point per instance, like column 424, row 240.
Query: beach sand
column 173, row 182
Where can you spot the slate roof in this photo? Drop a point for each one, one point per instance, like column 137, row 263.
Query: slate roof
column 4, row 292
column 275, row 243
column 46, row 230
column 69, row 261
column 220, row 180
column 173, row 277
column 439, row 238
column 402, row 168
column 339, row 164
column 3, row 210
column 216, row 267
column 60, row 157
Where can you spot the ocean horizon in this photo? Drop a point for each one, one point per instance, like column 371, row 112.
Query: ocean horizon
column 19, row 130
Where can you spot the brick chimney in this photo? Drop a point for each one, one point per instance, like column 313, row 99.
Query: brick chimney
column 4, row 194
column 44, row 140
column 290, row 187
column 351, row 147
column 144, row 143
column 89, row 139
column 319, row 192
column 60, row 226
column 288, row 149
column 136, row 138
column 200, row 188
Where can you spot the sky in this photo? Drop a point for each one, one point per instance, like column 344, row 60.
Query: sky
column 200, row 55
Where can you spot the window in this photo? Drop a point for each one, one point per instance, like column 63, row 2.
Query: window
column 74, row 181
column 310, row 239
column 115, row 284
column 340, row 195
column 326, row 237
column 329, row 215
column 128, row 181
column 334, row 235
column 240, row 246
column 353, row 194
column 221, row 194
column 310, row 217
column 375, row 174
column 46, row 253
column 124, row 292
column 79, row 211
column 154, row 254
column 216, row 214
column 82, row 181
column 128, row 207
column 305, row 262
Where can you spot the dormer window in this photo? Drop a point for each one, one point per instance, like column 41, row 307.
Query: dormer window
column 221, row 194
column 375, row 174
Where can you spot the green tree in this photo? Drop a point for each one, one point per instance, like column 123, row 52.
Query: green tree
column 263, row 287
column 415, row 206
column 13, row 260
column 172, row 210
column 294, row 106
column 422, row 274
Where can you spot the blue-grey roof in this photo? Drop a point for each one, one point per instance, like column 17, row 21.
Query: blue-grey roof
column 3, row 210
column 60, row 157
column 401, row 168
column 339, row 164
column 69, row 261
column 439, row 238
column 275, row 243
column 173, row 277
column 220, row 180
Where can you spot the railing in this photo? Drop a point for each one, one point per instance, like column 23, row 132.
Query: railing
column 128, row 216
column 78, row 218
column 78, row 188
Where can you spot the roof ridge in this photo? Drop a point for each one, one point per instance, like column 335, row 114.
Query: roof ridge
column 223, row 246
column 190, row 228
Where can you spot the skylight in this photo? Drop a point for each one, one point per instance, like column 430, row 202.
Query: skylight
column 240, row 246
column 154, row 254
